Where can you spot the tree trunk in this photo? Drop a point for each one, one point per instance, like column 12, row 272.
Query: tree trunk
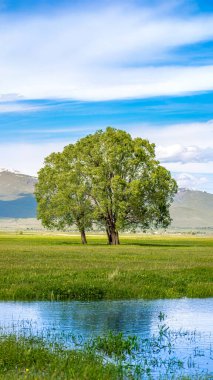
column 115, row 238
column 83, row 237
column 109, row 235
column 112, row 234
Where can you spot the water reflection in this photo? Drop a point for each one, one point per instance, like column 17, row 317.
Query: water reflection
column 81, row 318
column 95, row 318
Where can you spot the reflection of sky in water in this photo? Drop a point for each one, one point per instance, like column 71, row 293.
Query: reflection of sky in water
column 137, row 317
column 188, row 314
column 131, row 317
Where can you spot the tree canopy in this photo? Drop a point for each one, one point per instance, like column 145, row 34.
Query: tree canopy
column 107, row 178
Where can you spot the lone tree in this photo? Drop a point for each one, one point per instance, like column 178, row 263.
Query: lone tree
column 108, row 178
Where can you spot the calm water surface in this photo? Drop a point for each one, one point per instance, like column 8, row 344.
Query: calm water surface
column 192, row 317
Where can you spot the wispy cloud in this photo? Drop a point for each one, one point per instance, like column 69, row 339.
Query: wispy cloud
column 20, row 107
column 185, row 134
column 102, row 52
column 27, row 158
column 56, row 131
column 193, row 148
column 189, row 181
column 184, row 154
column 190, row 167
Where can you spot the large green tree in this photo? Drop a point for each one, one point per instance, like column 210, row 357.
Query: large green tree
column 121, row 184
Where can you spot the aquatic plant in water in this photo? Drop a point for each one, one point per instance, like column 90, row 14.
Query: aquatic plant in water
column 152, row 358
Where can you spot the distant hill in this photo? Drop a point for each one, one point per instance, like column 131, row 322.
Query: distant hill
column 16, row 195
column 14, row 185
column 190, row 209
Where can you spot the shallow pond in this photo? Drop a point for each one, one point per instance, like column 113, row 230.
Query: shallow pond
column 190, row 323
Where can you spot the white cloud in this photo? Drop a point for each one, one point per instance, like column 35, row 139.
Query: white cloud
column 10, row 97
column 25, row 157
column 19, row 107
column 193, row 148
column 184, row 134
column 190, row 167
column 53, row 131
column 99, row 53
column 189, row 181
column 184, row 154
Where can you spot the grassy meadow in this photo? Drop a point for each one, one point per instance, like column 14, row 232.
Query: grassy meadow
column 44, row 267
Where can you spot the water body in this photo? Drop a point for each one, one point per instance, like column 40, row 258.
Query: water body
column 189, row 320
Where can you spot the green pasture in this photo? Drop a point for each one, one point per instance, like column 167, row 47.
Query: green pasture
column 43, row 267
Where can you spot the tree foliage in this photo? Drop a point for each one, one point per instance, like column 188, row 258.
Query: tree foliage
column 62, row 195
column 108, row 178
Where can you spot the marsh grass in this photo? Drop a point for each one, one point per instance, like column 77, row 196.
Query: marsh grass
column 34, row 267
column 31, row 358
column 155, row 357
column 111, row 356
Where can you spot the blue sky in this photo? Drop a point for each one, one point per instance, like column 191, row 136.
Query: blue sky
column 68, row 68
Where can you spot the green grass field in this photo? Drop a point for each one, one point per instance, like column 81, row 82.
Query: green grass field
column 59, row 268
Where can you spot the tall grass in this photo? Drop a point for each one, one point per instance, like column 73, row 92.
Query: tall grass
column 31, row 358
column 59, row 268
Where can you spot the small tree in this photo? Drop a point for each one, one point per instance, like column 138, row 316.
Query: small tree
column 109, row 178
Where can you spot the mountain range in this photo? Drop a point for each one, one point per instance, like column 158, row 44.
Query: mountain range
column 190, row 209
